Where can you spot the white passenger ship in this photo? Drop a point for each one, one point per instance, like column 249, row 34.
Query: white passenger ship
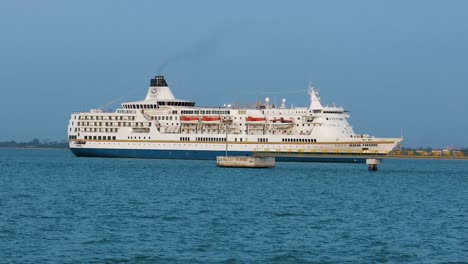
column 164, row 127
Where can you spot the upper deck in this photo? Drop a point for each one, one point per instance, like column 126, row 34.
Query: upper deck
column 162, row 110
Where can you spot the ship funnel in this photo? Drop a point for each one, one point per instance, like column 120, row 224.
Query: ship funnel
column 159, row 90
column 158, row 81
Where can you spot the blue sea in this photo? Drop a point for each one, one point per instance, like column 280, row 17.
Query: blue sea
column 57, row 208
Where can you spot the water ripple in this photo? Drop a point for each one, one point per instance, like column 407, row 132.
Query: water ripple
column 58, row 208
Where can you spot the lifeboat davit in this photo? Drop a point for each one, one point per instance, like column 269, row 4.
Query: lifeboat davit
column 189, row 119
column 211, row 119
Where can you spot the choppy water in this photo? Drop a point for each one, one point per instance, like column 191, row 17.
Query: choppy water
column 58, row 208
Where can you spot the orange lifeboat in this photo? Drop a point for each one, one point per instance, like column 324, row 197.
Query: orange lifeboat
column 255, row 119
column 211, row 119
column 189, row 119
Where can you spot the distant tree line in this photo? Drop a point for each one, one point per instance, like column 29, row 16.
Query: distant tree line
column 429, row 149
column 35, row 143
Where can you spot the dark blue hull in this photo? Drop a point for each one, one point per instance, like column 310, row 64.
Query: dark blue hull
column 194, row 155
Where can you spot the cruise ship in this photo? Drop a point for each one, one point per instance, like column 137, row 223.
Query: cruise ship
column 164, row 127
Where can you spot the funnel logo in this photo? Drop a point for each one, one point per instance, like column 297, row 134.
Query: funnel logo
column 153, row 91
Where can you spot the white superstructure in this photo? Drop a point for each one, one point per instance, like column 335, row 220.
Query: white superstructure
column 162, row 126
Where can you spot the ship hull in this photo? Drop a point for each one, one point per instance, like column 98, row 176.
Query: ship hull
column 194, row 155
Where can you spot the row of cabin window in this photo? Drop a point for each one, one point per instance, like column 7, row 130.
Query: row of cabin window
column 156, row 106
column 71, row 137
column 205, row 112
column 184, row 139
column 151, row 106
column 211, row 139
column 106, row 118
column 163, row 118
column 177, row 103
column 111, row 130
column 281, row 111
column 100, row 137
column 122, row 111
column 299, row 140
column 332, row 112
column 263, row 140
column 138, row 137
column 207, row 130
column 129, row 124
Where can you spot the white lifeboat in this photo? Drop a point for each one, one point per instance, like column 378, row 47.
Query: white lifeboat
column 281, row 123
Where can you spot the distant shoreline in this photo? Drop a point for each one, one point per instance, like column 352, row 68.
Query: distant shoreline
column 38, row 148
column 34, row 144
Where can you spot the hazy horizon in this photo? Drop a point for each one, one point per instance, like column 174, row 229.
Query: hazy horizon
column 394, row 65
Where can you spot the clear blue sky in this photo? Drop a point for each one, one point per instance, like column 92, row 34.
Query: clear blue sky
column 393, row 64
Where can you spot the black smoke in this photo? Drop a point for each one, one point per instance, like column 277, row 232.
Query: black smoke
column 202, row 48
